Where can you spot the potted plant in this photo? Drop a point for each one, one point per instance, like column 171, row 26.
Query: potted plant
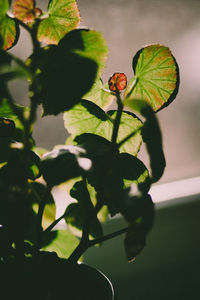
column 98, row 165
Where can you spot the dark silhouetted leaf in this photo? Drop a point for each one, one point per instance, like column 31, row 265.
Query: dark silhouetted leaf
column 133, row 243
column 156, row 77
column 139, row 212
column 64, row 163
column 79, row 214
column 62, row 17
column 7, row 128
column 87, row 43
column 9, row 28
column 20, row 165
column 59, row 86
column 152, row 137
column 133, row 170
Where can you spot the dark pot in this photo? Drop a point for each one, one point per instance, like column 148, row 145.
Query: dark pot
column 48, row 277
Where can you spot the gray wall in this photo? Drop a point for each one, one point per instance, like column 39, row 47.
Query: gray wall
column 128, row 26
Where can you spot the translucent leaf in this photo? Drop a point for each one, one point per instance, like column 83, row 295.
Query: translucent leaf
column 24, row 10
column 86, row 117
column 100, row 95
column 156, row 77
column 9, row 28
column 62, row 17
column 63, row 244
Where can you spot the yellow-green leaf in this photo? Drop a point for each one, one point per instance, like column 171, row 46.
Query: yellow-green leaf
column 63, row 244
column 100, row 95
column 86, row 117
column 9, row 28
column 62, row 17
column 24, row 10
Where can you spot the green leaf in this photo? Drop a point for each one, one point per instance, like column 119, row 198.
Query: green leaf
column 64, row 163
column 151, row 136
column 59, row 86
column 86, row 117
column 9, row 28
column 156, row 77
column 62, row 17
column 100, row 95
column 63, row 244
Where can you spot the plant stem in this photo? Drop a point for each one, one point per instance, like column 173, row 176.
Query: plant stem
column 53, row 224
column 117, row 119
column 39, row 228
column 85, row 244
column 107, row 236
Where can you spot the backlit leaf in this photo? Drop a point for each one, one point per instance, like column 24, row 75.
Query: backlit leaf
column 63, row 244
column 62, row 17
column 100, row 95
column 9, row 28
column 86, row 117
column 156, row 77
